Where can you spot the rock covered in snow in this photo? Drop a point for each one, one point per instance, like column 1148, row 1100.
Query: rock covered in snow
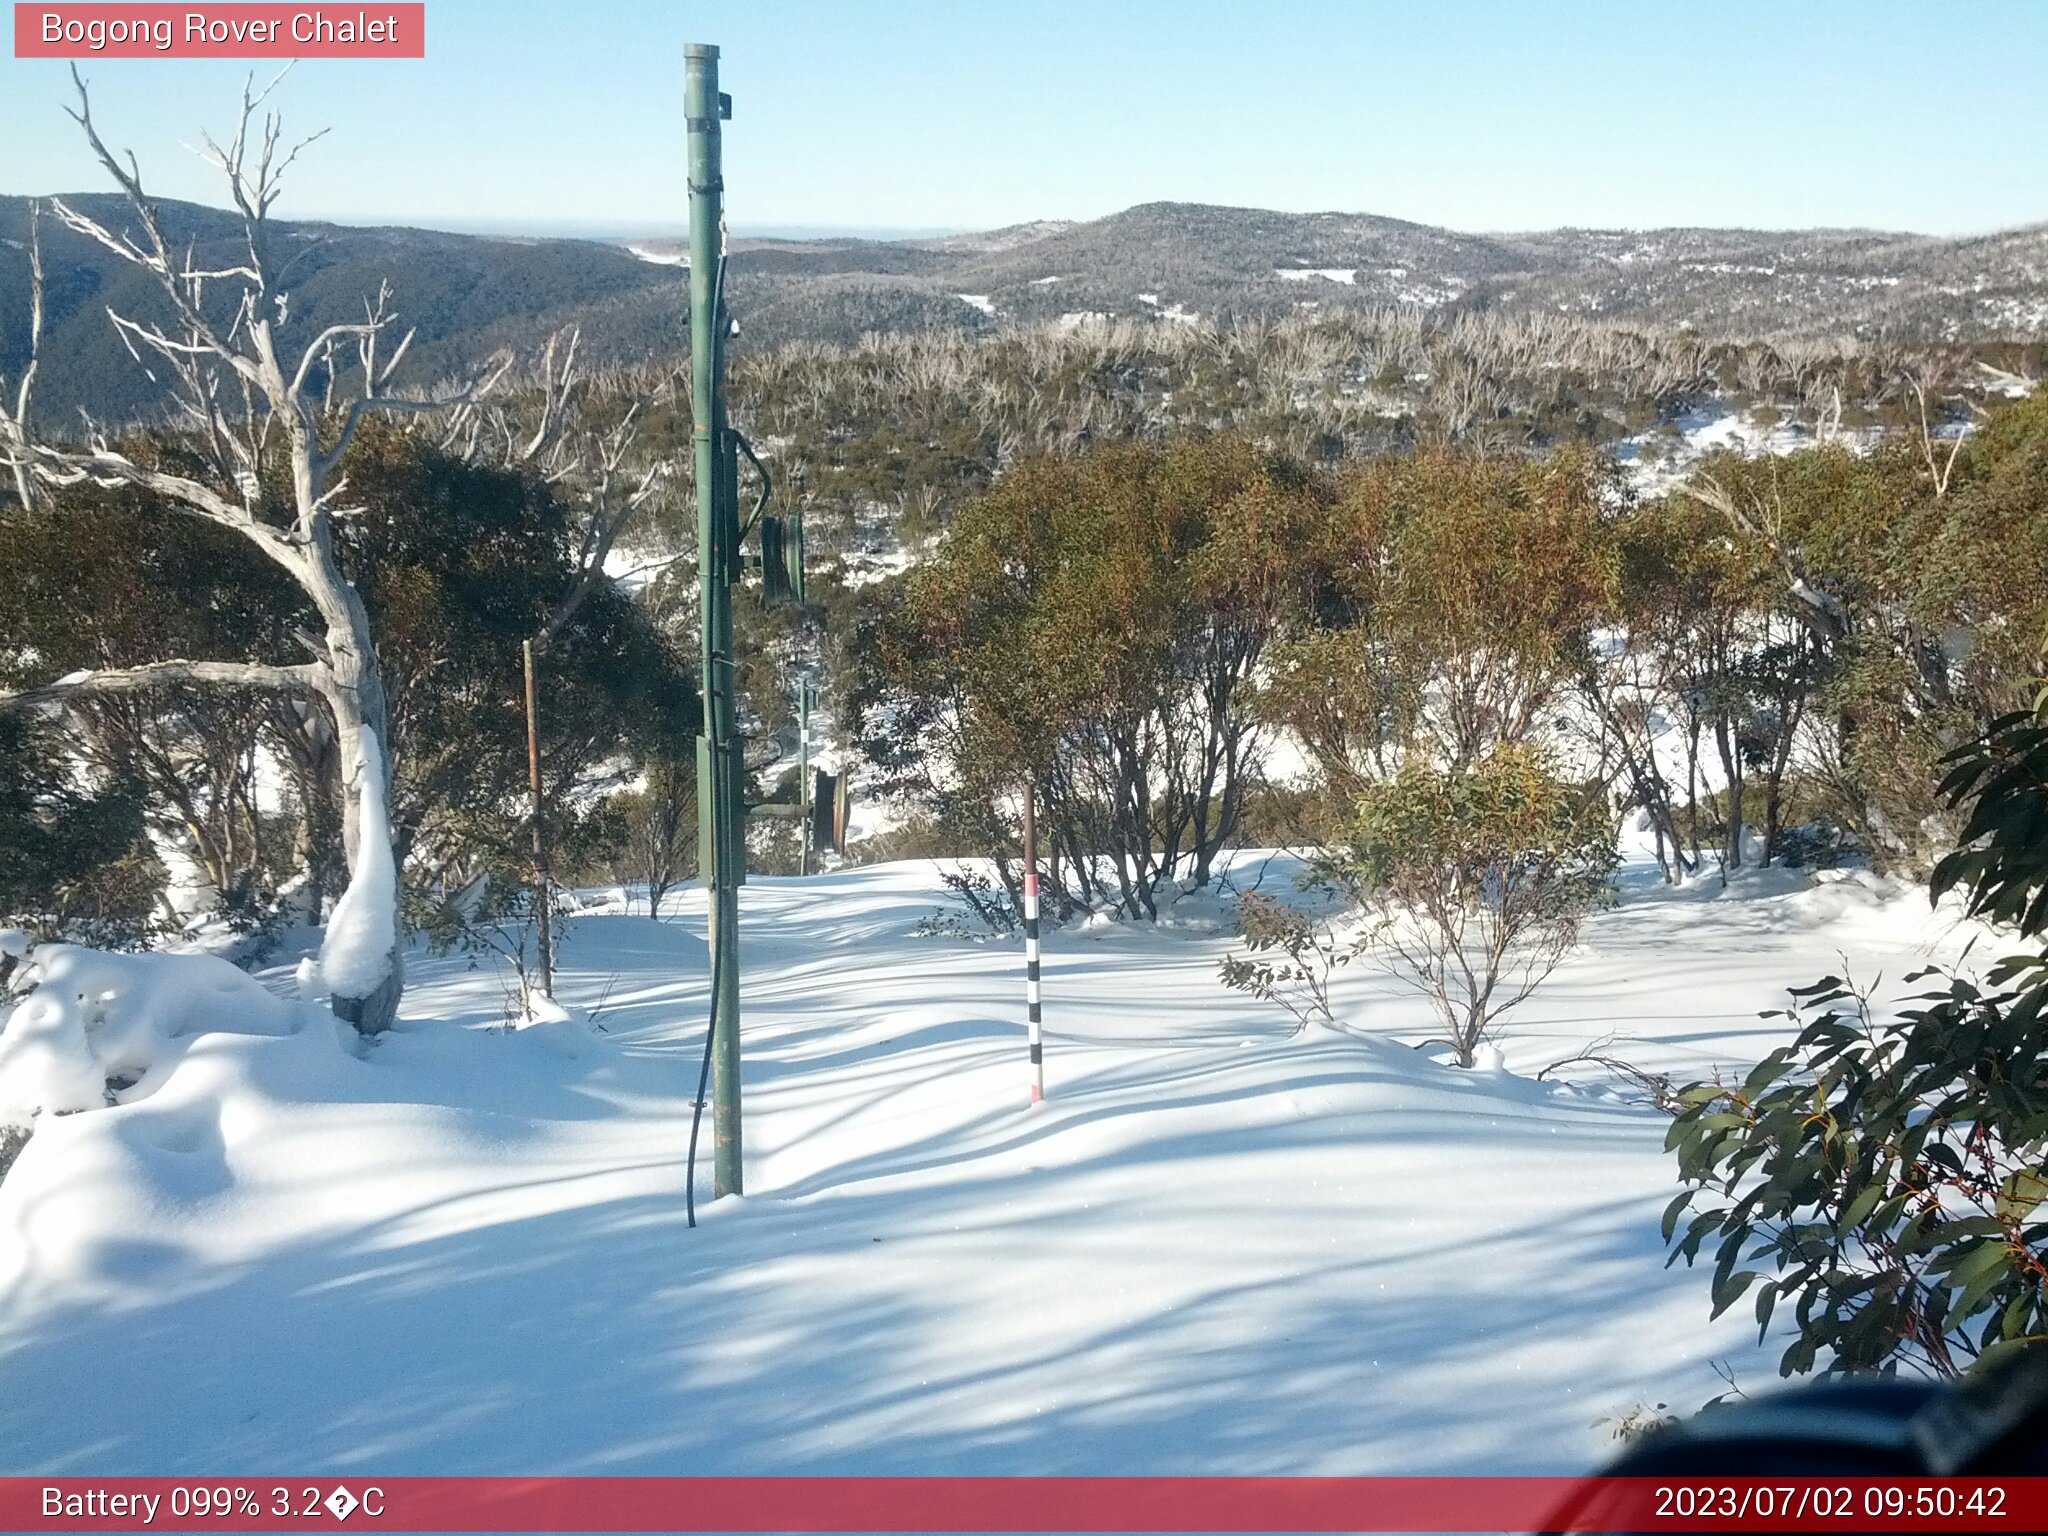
column 89, row 1017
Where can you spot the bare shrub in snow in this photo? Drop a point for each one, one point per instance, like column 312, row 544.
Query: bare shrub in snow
column 1635, row 1421
column 1474, row 881
column 987, row 903
column 1656, row 1088
column 659, row 849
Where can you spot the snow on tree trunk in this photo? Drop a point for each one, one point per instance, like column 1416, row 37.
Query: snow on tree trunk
column 360, row 961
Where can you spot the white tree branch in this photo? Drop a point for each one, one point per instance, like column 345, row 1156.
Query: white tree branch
column 305, row 678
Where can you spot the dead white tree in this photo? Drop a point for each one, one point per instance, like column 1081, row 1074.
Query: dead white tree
column 258, row 421
column 14, row 419
column 1941, row 467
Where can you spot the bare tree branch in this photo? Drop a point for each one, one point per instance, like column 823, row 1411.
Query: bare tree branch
column 166, row 674
column 103, row 466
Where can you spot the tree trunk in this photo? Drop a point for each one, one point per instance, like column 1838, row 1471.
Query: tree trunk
column 1731, row 764
column 1772, row 796
column 355, row 695
column 1692, row 784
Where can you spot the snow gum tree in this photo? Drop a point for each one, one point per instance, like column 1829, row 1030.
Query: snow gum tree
column 265, row 428
column 1871, row 613
column 69, row 860
column 1098, row 626
column 106, row 579
column 1463, row 592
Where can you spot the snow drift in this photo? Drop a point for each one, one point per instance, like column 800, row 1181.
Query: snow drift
column 95, row 1027
column 1221, row 1248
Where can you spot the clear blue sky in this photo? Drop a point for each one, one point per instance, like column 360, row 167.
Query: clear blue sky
column 1477, row 114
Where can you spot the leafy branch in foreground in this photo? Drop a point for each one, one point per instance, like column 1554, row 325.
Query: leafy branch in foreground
column 1888, row 1177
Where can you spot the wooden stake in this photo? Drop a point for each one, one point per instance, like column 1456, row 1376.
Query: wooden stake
column 542, row 915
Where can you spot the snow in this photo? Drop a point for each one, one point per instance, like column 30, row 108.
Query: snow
column 1657, row 460
column 632, row 571
column 93, row 1018
column 1221, row 1248
column 661, row 258
column 1175, row 311
column 1328, row 274
column 356, row 956
column 189, row 892
column 980, row 301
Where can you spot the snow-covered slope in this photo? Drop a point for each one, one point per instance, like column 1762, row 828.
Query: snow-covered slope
column 1219, row 1249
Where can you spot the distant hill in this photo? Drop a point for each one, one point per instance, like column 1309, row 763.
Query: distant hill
column 465, row 294
column 470, row 294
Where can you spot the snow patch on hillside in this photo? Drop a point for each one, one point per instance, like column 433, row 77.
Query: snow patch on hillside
column 659, row 256
column 1657, row 460
column 1173, row 312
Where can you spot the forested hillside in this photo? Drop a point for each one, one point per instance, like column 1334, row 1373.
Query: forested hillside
column 1187, row 263
column 464, row 296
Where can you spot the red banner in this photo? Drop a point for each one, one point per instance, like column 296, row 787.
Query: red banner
column 102, row 31
column 976, row 1504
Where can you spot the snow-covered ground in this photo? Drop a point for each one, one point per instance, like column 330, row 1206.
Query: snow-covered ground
column 1657, row 460
column 1220, row 1248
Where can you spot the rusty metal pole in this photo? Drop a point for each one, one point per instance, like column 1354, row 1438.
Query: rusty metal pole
column 541, row 905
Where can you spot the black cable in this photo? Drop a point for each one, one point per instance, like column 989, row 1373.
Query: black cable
column 740, row 442
column 704, row 1072
column 710, row 915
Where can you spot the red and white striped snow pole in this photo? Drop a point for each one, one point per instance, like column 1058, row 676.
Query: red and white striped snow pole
column 1035, row 1025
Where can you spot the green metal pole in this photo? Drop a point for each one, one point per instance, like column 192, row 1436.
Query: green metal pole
column 721, row 851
